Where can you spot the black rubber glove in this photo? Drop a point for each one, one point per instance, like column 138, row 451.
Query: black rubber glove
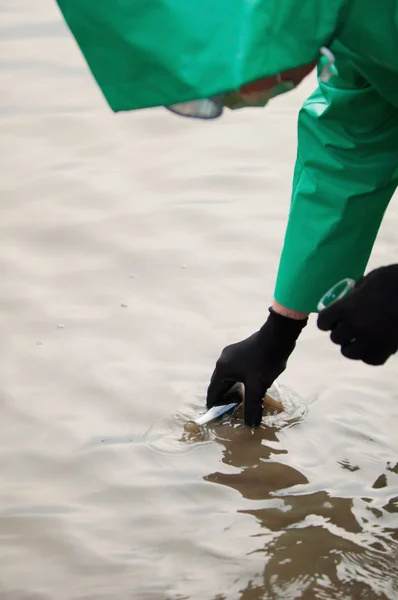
column 365, row 323
column 256, row 362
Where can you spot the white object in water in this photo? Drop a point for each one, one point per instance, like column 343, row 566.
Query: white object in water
column 214, row 413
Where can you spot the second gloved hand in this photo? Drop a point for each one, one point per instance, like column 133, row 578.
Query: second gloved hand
column 256, row 362
column 365, row 323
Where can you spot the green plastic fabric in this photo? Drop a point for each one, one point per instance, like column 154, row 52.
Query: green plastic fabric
column 159, row 52
column 345, row 175
column 347, row 164
column 147, row 53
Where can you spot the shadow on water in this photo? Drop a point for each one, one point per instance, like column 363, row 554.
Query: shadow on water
column 315, row 544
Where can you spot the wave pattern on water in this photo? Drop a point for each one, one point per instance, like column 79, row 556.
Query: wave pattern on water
column 133, row 248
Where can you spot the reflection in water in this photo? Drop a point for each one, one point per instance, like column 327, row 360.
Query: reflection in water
column 314, row 545
column 155, row 242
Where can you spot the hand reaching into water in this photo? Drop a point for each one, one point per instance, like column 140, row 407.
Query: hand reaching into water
column 256, row 362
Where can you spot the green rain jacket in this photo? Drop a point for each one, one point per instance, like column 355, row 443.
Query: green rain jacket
column 146, row 53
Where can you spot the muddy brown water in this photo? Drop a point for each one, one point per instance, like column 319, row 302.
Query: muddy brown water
column 133, row 247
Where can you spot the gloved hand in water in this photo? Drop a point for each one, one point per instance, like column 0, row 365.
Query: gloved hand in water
column 256, row 362
column 365, row 323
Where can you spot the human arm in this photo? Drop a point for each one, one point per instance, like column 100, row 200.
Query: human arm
column 346, row 172
column 345, row 175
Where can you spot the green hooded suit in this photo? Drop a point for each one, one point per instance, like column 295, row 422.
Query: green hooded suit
column 148, row 53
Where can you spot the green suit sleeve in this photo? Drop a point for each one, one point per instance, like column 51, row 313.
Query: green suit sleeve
column 345, row 175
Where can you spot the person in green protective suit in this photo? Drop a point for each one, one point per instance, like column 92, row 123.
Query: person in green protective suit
column 164, row 52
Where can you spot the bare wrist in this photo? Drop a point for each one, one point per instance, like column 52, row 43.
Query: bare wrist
column 287, row 312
